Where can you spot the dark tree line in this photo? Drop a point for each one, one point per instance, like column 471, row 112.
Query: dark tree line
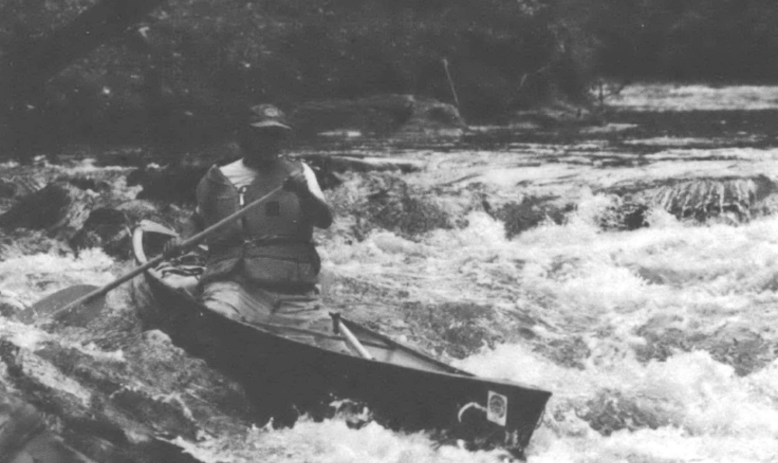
column 703, row 40
column 173, row 78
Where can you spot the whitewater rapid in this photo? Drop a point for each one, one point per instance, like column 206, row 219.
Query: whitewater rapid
column 658, row 344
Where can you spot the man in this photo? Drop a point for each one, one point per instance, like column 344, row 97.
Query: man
column 263, row 266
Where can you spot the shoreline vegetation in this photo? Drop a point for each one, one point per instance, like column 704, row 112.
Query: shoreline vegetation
column 176, row 78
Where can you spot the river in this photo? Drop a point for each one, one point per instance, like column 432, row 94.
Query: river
column 659, row 343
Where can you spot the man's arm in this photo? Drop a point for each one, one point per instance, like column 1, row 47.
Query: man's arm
column 192, row 226
column 312, row 199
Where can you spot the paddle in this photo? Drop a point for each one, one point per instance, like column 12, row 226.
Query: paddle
column 51, row 303
column 77, row 303
column 351, row 340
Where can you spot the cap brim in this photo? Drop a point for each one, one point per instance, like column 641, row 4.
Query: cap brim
column 265, row 124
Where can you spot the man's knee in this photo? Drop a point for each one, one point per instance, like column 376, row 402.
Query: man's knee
column 222, row 297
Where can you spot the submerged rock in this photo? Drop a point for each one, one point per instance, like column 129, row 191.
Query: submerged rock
column 558, row 115
column 529, row 213
column 11, row 305
column 24, row 435
column 734, row 343
column 60, row 208
column 612, row 411
column 705, row 198
column 110, row 228
column 382, row 115
column 461, row 329
column 83, row 213
column 121, row 402
column 19, row 186
column 390, row 203
column 626, row 217
column 106, row 228
column 171, row 184
column 731, row 199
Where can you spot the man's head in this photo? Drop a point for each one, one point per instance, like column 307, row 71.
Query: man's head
column 265, row 133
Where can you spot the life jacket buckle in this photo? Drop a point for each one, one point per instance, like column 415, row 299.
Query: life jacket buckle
column 241, row 195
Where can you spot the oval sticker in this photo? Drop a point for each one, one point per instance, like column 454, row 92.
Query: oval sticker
column 497, row 408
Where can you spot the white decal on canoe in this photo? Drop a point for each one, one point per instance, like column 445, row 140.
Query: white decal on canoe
column 497, row 408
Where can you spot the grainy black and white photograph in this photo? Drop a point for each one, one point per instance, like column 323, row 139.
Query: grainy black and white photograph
column 388, row 231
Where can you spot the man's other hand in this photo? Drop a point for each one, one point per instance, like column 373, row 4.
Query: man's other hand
column 297, row 183
column 173, row 248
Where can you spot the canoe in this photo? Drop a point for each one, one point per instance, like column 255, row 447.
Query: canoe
column 401, row 388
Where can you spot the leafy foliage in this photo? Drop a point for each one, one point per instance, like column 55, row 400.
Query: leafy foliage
column 692, row 39
column 176, row 79
column 183, row 71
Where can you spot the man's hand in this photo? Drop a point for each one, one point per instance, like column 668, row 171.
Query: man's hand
column 173, row 248
column 297, row 183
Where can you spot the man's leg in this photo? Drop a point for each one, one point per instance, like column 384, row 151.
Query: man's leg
column 250, row 303
column 230, row 298
column 306, row 311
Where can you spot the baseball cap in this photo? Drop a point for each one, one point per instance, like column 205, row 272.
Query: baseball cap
column 267, row 115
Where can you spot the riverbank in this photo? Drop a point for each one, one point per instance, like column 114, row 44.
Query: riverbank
column 181, row 77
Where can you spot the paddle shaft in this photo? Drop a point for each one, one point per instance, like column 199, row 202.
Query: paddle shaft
column 193, row 241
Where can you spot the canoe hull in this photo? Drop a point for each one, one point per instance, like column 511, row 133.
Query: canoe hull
column 287, row 377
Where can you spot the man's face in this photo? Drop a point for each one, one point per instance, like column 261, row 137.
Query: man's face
column 264, row 144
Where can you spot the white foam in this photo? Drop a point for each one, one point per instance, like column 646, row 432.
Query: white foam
column 26, row 275
column 604, row 288
column 331, row 442
column 670, row 97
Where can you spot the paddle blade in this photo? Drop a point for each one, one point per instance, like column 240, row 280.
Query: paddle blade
column 79, row 315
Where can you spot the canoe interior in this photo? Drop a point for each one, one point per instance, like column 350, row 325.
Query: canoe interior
column 403, row 388
column 381, row 348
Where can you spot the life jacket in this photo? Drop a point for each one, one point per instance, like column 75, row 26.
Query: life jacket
column 272, row 244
